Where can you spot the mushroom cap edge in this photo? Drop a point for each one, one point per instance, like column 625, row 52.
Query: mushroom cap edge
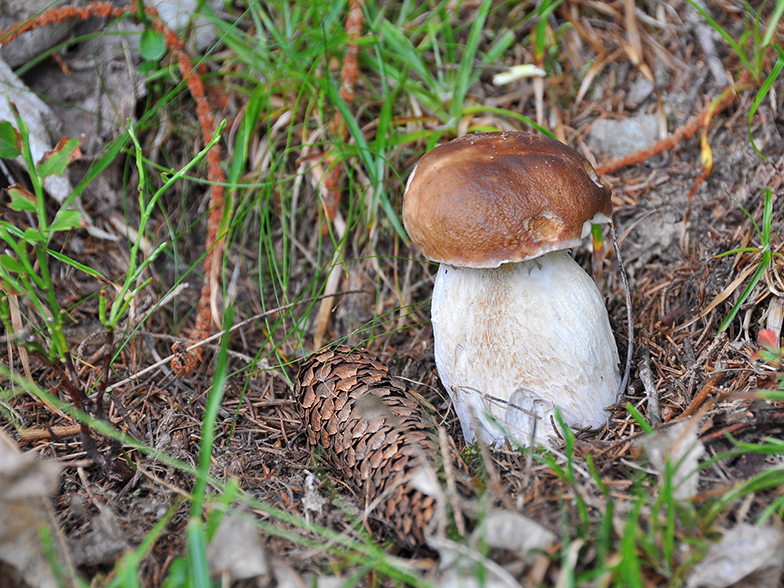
column 491, row 198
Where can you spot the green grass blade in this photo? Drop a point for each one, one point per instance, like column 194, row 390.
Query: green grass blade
column 129, row 565
column 739, row 50
column 196, row 549
column 738, row 250
column 767, row 218
column 211, row 417
column 508, row 113
column 366, row 155
column 252, row 115
column 467, row 62
column 406, row 52
column 766, row 256
column 75, row 264
column 497, row 51
column 639, row 418
column 543, row 11
column 770, row 511
column 763, row 91
column 629, row 570
column 773, row 24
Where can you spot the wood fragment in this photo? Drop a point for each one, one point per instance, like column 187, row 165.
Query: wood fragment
column 703, row 394
column 50, row 433
column 654, row 412
column 687, row 131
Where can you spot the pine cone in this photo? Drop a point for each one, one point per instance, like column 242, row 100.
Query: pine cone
column 375, row 457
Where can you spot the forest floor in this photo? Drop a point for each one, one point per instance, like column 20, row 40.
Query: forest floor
column 315, row 158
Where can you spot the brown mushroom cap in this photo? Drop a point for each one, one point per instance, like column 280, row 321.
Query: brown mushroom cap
column 491, row 198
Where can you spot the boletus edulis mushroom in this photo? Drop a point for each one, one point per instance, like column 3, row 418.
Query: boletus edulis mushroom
column 520, row 328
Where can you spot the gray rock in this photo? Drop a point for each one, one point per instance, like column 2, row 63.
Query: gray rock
column 616, row 138
column 639, row 92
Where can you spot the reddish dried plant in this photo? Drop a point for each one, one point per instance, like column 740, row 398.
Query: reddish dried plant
column 348, row 76
column 700, row 121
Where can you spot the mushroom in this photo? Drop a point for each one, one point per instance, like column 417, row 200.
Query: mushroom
column 520, row 329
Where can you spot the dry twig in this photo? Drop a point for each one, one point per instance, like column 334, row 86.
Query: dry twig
column 654, row 414
column 687, row 131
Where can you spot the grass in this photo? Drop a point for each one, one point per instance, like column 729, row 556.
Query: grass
column 762, row 254
column 753, row 49
column 26, row 271
column 420, row 83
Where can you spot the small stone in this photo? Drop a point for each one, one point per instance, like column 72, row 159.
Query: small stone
column 639, row 92
column 616, row 138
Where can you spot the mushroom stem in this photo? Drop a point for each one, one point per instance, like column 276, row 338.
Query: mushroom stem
column 519, row 341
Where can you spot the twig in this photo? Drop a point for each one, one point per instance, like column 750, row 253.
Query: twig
column 703, row 394
column 654, row 412
column 219, row 334
column 687, row 131
column 629, row 316
column 49, row 433
column 451, row 488
column 750, row 418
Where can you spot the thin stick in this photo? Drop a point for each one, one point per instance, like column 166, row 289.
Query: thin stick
column 629, row 317
column 702, row 395
column 654, row 412
column 687, row 131
column 49, row 433
column 451, row 487
column 219, row 334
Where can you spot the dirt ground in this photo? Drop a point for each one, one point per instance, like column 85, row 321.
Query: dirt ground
column 674, row 277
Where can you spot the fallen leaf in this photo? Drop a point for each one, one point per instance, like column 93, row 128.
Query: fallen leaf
column 746, row 556
column 312, row 501
column 103, row 544
column 236, row 550
column 767, row 338
column 25, row 513
column 677, row 444
column 40, row 122
column 502, row 529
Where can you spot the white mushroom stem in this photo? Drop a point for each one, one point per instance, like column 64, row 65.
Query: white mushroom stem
column 518, row 340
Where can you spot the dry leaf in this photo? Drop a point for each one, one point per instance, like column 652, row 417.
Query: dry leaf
column 679, row 445
column 25, row 511
column 236, row 550
column 104, row 544
column 40, row 121
column 504, row 529
column 746, row 557
column 312, row 501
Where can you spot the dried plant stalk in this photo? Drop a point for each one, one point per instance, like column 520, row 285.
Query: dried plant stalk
column 349, row 74
column 699, row 121
column 374, row 435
